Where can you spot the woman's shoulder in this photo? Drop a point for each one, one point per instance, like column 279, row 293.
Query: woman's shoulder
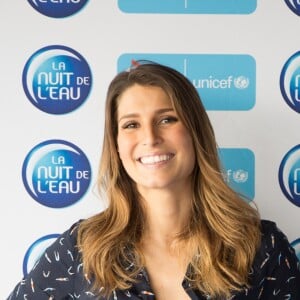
column 272, row 236
column 67, row 239
column 72, row 232
column 274, row 245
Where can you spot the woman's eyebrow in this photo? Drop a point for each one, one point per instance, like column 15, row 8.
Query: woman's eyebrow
column 135, row 115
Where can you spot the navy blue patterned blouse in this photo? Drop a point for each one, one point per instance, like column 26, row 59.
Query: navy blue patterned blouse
column 58, row 274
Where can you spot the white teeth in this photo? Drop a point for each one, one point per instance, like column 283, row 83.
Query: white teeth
column 154, row 159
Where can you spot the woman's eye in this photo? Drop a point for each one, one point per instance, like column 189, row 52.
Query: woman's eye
column 130, row 125
column 168, row 120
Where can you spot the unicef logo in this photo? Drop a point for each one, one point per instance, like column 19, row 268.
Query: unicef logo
column 289, row 175
column 56, row 173
column 240, row 176
column 294, row 5
column 241, row 82
column 290, row 82
column 57, row 8
column 57, row 79
column 35, row 251
column 296, row 245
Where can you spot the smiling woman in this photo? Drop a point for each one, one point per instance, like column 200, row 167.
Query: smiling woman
column 173, row 228
column 155, row 147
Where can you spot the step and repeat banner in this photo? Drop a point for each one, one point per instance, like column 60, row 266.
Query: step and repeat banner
column 58, row 57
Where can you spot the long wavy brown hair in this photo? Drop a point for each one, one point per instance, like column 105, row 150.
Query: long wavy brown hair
column 224, row 228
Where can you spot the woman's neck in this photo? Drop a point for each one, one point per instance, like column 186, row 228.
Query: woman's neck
column 167, row 215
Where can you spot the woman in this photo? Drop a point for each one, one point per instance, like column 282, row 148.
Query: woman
column 173, row 229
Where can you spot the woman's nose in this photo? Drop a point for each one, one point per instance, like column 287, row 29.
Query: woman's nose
column 151, row 136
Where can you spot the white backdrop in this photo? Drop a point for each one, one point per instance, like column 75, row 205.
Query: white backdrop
column 101, row 33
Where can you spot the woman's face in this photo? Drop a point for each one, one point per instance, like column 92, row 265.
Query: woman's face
column 154, row 146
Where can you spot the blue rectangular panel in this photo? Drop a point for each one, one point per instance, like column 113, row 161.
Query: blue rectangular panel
column 224, row 81
column 188, row 6
column 239, row 170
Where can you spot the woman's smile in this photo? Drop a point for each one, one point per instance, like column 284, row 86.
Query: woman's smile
column 155, row 159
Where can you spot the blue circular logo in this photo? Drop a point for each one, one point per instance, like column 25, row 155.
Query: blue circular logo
column 56, row 173
column 290, row 82
column 289, row 175
column 294, row 5
column 35, row 251
column 58, row 8
column 57, row 79
column 296, row 245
